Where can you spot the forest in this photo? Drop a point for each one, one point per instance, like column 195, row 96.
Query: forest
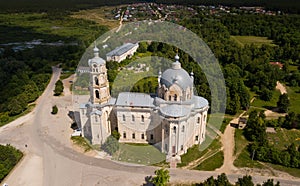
column 9, row 157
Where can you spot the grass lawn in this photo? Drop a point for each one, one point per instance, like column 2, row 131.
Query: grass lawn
column 240, row 141
column 294, row 95
column 82, row 142
column 212, row 163
column 283, row 138
column 195, row 152
column 243, row 157
column 267, row 104
column 244, row 160
column 139, row 153
column 248, row 40
column 292, row 171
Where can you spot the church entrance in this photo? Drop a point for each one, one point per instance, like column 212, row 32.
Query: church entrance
column 173, row 150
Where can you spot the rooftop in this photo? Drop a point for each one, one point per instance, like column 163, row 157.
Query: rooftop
column 122, row 49
column 134, row 99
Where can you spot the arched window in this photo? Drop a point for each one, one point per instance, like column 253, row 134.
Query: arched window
column 124, row 119
column 175, row 97
column 96, row 81
column 182, row 129
column 151, row 137
column 132, row 118
column 96, row 118
column 174, row 129
column 143, row 136
column 204, row 117
column 198, row 120
column 97, row 94
column 133, row 135
column 124, row 135
column 170, row 98
column 143, row 119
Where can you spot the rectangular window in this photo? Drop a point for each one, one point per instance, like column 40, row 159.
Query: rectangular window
column 133, row 136
column 143, row 136
column 181, row 147
column 151, row 136
column 197, row 138
column 124, row 135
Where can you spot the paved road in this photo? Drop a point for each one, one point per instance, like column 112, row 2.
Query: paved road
column 50, row 159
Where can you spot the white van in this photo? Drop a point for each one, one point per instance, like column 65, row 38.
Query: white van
column 76, row 132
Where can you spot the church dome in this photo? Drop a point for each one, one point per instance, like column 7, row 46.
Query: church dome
column 96, row 59
column 176, row 75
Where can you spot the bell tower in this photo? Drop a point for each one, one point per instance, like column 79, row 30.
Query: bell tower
column 99, row 85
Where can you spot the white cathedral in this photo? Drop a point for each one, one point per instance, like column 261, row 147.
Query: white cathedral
column 173, row 120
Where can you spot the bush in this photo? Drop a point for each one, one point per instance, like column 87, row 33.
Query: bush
column 59, row 88
column 116, row 134
column 111, row 145
column 54, row 110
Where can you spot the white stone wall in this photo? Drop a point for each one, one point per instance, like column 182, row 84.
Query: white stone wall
column 100, row 125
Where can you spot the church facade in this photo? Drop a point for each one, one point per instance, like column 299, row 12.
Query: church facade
column 173, row 120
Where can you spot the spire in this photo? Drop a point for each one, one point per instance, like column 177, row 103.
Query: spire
column 159, row 77
column 176, row 64
column 96, row 50
column 192, row 76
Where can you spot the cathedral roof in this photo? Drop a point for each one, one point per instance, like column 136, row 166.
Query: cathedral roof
column 175, row 110
column 177, row 75
column 200, row 102
column 134, row 99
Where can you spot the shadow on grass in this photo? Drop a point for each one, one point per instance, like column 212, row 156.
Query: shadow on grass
column 270, row 108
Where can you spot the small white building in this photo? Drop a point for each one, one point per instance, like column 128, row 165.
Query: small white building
column 173, row 120
column 122, row 52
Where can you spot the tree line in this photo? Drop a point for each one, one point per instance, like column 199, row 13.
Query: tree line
column 9, row 157
column 260, row 149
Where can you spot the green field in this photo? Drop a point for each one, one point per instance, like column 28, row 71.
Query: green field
column 240, row 141
column 294, row 96
column 212, row 163
column 283, row 138
column 195, row 152
column 267, row 104
column 26, row 27
column 139, row 153
column 248, row 40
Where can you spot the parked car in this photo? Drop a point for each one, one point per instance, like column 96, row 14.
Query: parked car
column 76, row 132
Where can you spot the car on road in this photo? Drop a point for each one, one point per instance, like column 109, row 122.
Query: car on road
column 76, row 132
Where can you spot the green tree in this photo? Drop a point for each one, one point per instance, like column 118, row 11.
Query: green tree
column 59, row 88
column 111, row 145
column 161, row 177
column 283, row 103
column 266, row 94
column 270, row 182
column 245, row 181
column 54, row 110
column 116, row 134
